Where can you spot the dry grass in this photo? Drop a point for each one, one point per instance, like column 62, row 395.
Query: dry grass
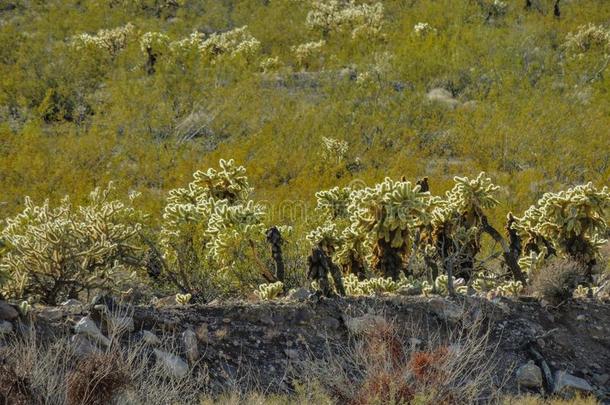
column 382, row 367
column 556, row 281
column 97, row 379
column 533, row 400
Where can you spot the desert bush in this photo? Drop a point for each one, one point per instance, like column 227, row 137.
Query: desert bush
column 96, row 379
column 556, row 281
column 382, row 367
column 56, row 253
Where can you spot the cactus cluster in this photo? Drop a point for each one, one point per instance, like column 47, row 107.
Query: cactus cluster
column 269, row 291
column 111, row 41
column 569, row 223
column 56, row 252
column 211, row 225
column 359, row 20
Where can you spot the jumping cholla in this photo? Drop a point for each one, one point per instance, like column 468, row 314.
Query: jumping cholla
column 569, row 223
column 110, row 40
column 423, row 29
column 56, row 252
column 231, row 44
column 270, row 291
column 360, row 20
column 211, row 227
column 305, row 53
column 588, row 37
column 335, row 150
column 389, row 213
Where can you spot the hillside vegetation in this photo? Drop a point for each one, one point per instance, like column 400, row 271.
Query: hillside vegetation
column 357, row 98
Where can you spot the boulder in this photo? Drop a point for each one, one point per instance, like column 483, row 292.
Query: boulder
column 8, row 312
column 51, row 314
column 446, row 310
column 5, row 328
column 150, row 338
column 173, row 365
column 87, row 327
column 82, row 346
column 529, row 375
column 189, row 339
column 442, row 96
column 299, row 294
column 565, row 382
column 363, row 324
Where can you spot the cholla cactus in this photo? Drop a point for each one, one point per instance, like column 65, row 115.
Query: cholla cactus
column 110, row 40
column 155, row 42
column 273, row 64
column 230, row 228
column 389, row 213
column 571, row 223
column 334, row 149
column 334, row 202
column 211, row 223
column 423, row 29
column 305, row 53
column 510, row 289
column 234, row 43
column 459, row 220
column 588, row 37
column 360, row 20
column 270, row 291
column 326, row 236
column 441, row 284
column 183, row 299
column 373, row 286
column 54, row 253
column 533, row 262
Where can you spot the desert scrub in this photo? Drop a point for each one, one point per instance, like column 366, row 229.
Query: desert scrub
column 55, row 253
column 381, row 366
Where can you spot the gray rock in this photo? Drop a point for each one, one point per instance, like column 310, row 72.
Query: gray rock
column 71, row 303
column 82, row 346
column 299, row 294
column 529, row 375
column 291, row 354
column 446, row 310
column 5, row 328
column 363, row 324
column 150, row 338
column 567, row 382
column 442, row 96
column 189, row 339
column 87, row 327
column 51, row 314
column 203, row 333
column 173, row 365
column 601, row 379
column 8, row 312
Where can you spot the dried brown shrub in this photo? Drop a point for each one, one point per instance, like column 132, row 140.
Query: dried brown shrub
column 96, row 380
column 556, row 281
column 14, row 389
